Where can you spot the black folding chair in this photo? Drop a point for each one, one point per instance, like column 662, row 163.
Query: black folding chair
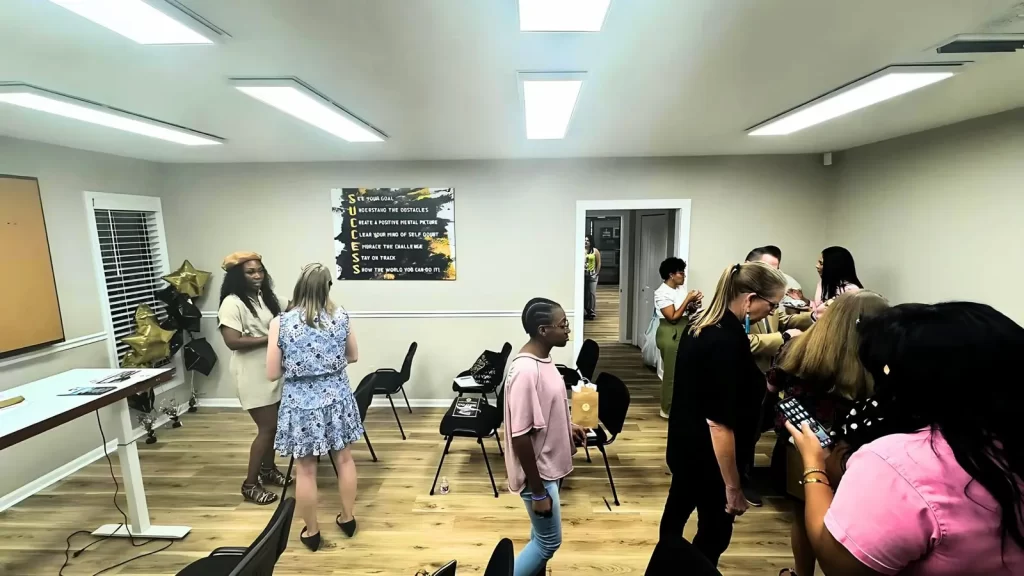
column 256, row 560
column 495, row 374
column 364, row 395
column 586, row 364
column 389, row 381
column 501, row 559
column 612, row 405
column 446, row 570
column 484, row 424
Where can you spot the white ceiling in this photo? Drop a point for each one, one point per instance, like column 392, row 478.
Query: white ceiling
column 665, row 77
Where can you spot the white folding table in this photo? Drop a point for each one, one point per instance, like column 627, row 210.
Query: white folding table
column 45, row 407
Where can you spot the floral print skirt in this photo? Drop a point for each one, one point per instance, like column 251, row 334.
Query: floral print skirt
column 315, row 431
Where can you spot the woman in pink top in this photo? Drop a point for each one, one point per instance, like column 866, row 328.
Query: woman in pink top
column 838, row 275
column 935, row 471
column 538, row 430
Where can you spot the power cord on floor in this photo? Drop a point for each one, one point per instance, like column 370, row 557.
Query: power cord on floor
column 126, row 524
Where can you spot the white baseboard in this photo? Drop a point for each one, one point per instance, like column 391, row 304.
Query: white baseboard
column 62, row 472
column 378, row 402
column 44, row 481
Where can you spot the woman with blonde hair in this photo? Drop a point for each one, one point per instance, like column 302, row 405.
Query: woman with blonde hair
column 823, row 371
column 310, row 346
column 719, row 390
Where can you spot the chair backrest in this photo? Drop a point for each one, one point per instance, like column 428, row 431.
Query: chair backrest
column 506, row 351
column 364, row 395
column 261, row 556
column 446, row 570
column 586, row 362
column 501, row 559
column 407, row 364
column 612, row 402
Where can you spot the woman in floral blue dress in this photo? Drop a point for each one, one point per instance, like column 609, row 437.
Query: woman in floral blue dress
column 311, row 345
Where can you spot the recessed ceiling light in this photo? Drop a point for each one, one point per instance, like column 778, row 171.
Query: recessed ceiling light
column 562, row 15
column 549, row 99
column 144, row 21
column 294, row 97
column 882, row 85
column 35, row 98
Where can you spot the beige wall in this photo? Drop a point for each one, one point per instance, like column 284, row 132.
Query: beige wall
column 515, row 226
column 937, row 215
column 64, row 174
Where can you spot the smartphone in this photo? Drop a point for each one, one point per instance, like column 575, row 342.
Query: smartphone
column 793, row 411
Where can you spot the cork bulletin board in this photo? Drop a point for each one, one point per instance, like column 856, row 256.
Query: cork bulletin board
column 29, row 310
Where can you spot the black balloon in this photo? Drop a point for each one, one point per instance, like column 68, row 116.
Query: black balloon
column 199, row 356
column 168, row 295
column 189, row 316
column 178, row 340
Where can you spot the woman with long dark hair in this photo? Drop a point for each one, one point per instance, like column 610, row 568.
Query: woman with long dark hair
column 838, row 275
column 247, row 305
column 935, row 480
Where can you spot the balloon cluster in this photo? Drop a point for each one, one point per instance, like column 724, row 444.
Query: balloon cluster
column 156, row 340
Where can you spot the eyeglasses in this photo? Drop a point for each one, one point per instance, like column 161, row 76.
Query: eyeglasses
column 563, row 326
column 773, row 305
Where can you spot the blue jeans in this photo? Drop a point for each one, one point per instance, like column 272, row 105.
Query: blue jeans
column 545, row 534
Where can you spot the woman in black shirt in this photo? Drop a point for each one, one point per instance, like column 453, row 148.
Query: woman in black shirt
column 718, row 391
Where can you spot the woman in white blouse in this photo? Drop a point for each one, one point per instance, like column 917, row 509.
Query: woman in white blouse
column 673, row 306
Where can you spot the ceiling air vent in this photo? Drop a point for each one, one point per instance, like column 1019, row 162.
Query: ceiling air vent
column 982, row 44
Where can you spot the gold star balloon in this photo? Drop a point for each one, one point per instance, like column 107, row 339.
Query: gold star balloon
column 150, row 342
column 188, row 280
column 132, row 360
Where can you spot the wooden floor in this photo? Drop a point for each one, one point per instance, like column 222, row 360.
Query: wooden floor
column 193, row 473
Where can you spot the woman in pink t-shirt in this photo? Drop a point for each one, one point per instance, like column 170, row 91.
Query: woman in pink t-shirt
column 539, row 432
column 934, row 480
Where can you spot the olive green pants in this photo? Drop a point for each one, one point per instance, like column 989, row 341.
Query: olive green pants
column 667, row 339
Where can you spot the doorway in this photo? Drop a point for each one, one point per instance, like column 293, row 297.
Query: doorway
column 610, row 234
column 674, row 224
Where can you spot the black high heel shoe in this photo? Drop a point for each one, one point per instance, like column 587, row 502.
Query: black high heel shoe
column 312, row 542
column 349, row 528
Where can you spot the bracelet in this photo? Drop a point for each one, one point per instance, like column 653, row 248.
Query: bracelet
column 813, row 470
column 536, row 499
column 814, row 481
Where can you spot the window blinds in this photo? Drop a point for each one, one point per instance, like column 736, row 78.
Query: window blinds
column 133, row 262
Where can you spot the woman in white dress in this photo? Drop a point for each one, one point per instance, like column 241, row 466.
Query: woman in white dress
column 247, row 305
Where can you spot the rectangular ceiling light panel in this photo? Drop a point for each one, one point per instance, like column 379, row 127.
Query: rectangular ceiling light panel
column 562, row 15
column 42, row 100
column 293, row 97
column 883, row 85
column 142, row 21
column 549, row 100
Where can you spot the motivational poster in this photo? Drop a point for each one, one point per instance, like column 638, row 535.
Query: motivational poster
column 394, row 233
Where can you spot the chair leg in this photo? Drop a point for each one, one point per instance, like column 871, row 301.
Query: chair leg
column 368, row 445
column 333, row 465
column 406, row 399
column 498, row 440
column 611, row 481
column 488, row 463
column 397, row 419
column 439, row 464
column 586, row 449
column 484, row 395
column 287, row 476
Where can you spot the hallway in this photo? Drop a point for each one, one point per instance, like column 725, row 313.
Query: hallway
column 623, row 360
